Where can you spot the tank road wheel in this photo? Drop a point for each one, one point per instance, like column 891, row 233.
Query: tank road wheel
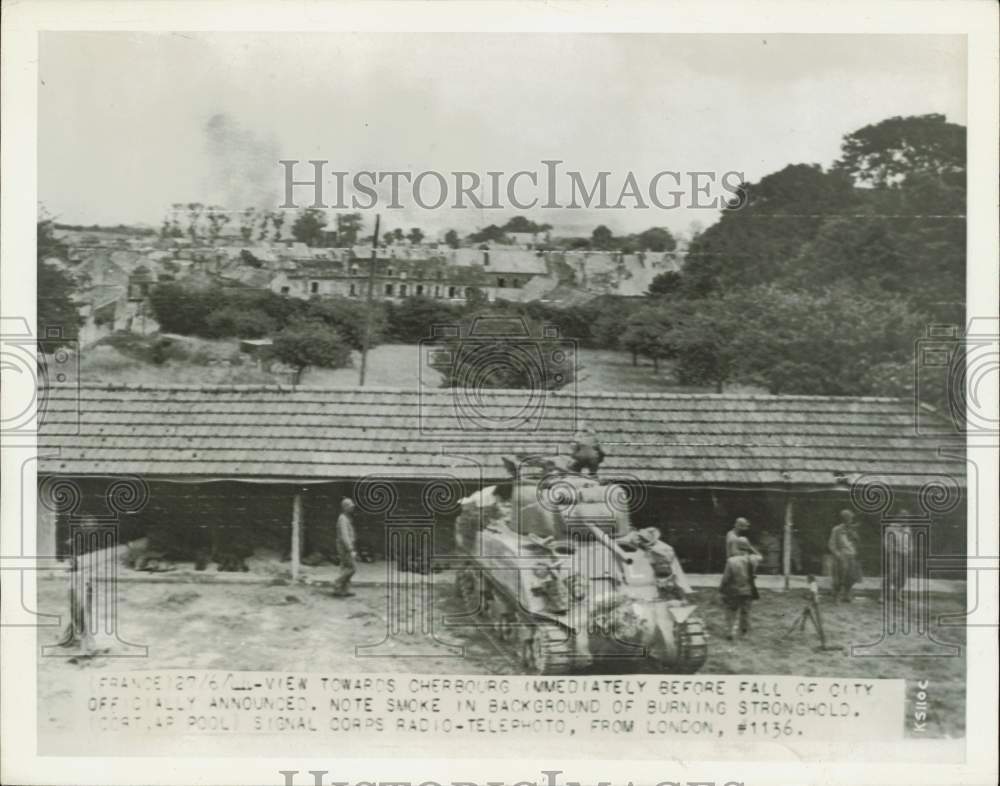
column 535, row 652
column 693, row 646
column 505, row 627
column 467, row 587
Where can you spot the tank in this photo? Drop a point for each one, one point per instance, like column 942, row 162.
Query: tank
column 557, row 577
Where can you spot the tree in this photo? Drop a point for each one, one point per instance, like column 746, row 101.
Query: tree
column 701, row 339
column 602, row 238
column 415, row 236
column 278, row 221
column 247, row 258
column 195, row 209
column 822, row 343
column 836, row 342
column 58, row 317
column 887, row 153
column 451, row 238
column 475, row 298
column 309, row 226
column 491, row 233
column 217, row 220
column 668, row 282
column 507, row 353
column 656, row 239
column 646, row 333
column 761, row 241
column 349, row 318
column 414, row 318
column 232, row 320
column 247, row 220
column 606, row 330
column 348, row 228
column 306, row 343
column 184, row 310
column 522, row 224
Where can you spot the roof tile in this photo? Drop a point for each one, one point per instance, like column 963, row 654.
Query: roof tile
column 308, row 433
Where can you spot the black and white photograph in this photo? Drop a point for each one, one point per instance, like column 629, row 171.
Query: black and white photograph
column 492, row 394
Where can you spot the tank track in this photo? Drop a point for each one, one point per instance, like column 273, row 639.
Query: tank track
column 538, row 646
column 692, row 649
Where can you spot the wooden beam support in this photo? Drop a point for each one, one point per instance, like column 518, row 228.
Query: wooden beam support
column 786, row 541
column 296, row 535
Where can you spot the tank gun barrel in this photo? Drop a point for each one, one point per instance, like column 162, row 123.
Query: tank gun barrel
column 604, row 538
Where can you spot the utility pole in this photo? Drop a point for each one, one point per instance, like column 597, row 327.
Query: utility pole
column 368, row 307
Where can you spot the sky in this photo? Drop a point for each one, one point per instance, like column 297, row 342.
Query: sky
column 130, row 123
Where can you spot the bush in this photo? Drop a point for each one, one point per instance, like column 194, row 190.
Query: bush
column 233, row 321
column 305, row 343
column 348, row 317
column 493, row 350
column 181, row 309
column 413, row 320
column 164, row 349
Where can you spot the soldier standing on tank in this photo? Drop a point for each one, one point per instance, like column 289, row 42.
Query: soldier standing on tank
column 739, row 587
column 585, row 451
column 346, row 549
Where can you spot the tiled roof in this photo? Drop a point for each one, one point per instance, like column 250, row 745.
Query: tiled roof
column 313, row 433
column 516, row 260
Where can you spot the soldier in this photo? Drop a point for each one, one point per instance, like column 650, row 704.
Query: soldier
column 843, row 545
column 346, row 552
column 740, row 528
column 670, row 578
column 78, row 631
column 898, row 544
column 585, row 451
column 739, row 588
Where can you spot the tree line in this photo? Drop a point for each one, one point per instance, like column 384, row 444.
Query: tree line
column 825, row 279
column 820, row 283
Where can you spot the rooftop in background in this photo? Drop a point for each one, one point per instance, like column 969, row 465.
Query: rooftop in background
column 290, row 434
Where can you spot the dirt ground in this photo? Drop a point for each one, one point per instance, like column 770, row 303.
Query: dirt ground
column 301, row 628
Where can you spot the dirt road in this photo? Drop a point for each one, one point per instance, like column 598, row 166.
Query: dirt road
column 283, row 628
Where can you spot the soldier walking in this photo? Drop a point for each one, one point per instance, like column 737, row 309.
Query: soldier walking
column 739, row 532
column 346, row 549
column 738, row 587
column 843, row 545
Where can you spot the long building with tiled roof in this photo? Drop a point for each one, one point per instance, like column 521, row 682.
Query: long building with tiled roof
column 310, row 434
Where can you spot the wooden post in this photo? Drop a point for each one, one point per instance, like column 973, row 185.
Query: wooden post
column 48, row 528
column 786, row 545
column 296, row 534
column 366, row 338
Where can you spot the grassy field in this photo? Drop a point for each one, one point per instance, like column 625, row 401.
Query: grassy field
column 203, row 361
